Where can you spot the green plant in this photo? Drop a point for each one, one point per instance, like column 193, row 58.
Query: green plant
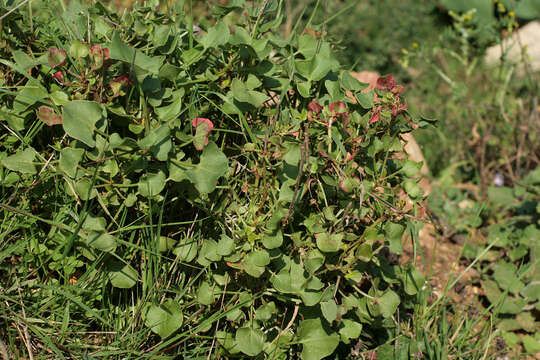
column 172, row 190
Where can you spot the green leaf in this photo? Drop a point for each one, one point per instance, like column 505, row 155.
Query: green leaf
column 166, row 244
column 158, row 141
column 272, row 240
column 85, row 190
column 393, row 233
column 123, row 277
column 388, row 303
column 217, row 35
column 254, row 263
column 501, row 195
column 243, row 94
column 365, row 99
column 411, row 168
column 164, row 319
column 265, row 311
column 364, row 252
column 314, row 260
column 225, row 245
column 226, row 340
column 22, row 161
column 32, row 93
column 412, row 188
column 316, row 341
column 120, row 51
column 69, row 160
column 505, row 274
column 212, row 166
column 333, row 89
column 351, row 83
column 151, row 184
column 101, row 241
column 224, row 7
column 208, row 253
column 250, row 341
column 414, row 281
column 532, row 345
column 186, row 250
column 349, row 329
column 307, row 46
column 319, row 66
column 172, row 110
column 329, row 242
column 78, row 50
column 329, row 310
column 205, row 294
column 79, row 120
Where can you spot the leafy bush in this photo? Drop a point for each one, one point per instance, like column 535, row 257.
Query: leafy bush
column 225, row 186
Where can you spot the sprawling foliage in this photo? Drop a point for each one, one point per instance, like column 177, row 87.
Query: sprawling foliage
column 221, row 183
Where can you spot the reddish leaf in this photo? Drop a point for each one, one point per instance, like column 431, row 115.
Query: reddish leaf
column 338, row 108
column 119, row 83
column 58, row 76
column 203, row 127
column 97, row 56
column 48, row 116
column 386, row 82
column 399, row 108
column 314, row 106
column 376, row 115
column 56, row 57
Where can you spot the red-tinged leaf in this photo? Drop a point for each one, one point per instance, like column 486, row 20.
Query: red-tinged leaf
column 399, row 108
column 56, row 57
column 58, row 76
column 48, row 116
column 97, row 56
column 397, row 90
column 314, row 106
column 376, row 115
column 106, row 55
column 338, row 108
column 386, row 82
column 203, row 127
column 120, row 83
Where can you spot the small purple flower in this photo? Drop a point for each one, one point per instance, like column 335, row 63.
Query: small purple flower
column 498, row 180
column 196, row 30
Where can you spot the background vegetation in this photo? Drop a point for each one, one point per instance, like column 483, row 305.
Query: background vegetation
column 207, row 180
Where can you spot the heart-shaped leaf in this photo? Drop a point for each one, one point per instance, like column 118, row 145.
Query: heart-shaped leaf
column 212, row 166
column 22, row 161
column 250, row 341
column 329, row 242
column 203, row 127
column 164, row 319
column 56, row 57
column 388, row 303
column 69, row 160
column 79, row 120
column 152, row 184
column 48, row 116
column 243, row 94
column 123, row 277
column 316, row 341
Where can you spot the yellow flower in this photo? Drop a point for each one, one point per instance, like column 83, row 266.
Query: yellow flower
column 415, row 45
column 512, row 14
